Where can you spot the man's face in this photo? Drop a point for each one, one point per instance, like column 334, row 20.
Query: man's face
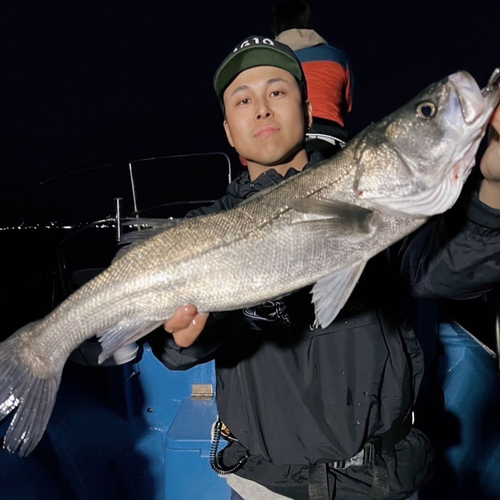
column 264, row 115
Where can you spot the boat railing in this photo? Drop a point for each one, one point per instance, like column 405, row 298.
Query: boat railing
column 52, row 227
column 87, row 194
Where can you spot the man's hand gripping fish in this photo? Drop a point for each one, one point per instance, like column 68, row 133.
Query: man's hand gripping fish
column 318, row 227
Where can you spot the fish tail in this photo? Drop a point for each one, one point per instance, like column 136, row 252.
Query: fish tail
column 31, row 397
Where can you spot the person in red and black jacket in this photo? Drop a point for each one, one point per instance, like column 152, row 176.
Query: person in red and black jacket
column 327, row 70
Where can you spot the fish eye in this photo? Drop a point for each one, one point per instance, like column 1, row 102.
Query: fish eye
column 426, row 110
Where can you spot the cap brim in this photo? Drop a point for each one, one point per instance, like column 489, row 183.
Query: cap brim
column 252, row 57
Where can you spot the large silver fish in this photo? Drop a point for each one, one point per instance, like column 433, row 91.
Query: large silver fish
column 320, row 226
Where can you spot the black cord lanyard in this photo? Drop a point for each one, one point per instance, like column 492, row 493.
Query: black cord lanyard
column 216, row 455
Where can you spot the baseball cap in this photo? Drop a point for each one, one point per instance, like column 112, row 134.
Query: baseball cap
column 257, row 51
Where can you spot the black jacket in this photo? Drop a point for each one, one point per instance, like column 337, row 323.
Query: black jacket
column 294, row 395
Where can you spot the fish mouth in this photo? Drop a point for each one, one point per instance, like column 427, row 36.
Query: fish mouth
column 476, row 105
column 471, row 101
column 474, row 102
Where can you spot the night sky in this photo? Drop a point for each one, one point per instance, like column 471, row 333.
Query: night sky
column 88, row 83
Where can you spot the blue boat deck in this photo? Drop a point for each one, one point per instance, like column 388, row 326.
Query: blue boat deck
column 134, row 432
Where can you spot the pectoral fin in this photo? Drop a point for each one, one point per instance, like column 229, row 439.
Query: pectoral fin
column 336, row 215
column 331, row 292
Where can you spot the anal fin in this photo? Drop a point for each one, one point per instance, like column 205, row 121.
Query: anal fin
column 123, row 334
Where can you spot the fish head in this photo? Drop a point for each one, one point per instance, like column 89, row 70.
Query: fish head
column 415, row 161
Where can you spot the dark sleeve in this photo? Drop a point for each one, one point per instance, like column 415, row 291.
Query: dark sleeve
column 454, row 256
column 204, row 349
column 224, row 203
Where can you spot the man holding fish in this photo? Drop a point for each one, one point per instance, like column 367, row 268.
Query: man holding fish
column 313, row 412
column 316, row 399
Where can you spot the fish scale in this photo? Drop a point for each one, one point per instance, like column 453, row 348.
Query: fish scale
column 318, row 227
